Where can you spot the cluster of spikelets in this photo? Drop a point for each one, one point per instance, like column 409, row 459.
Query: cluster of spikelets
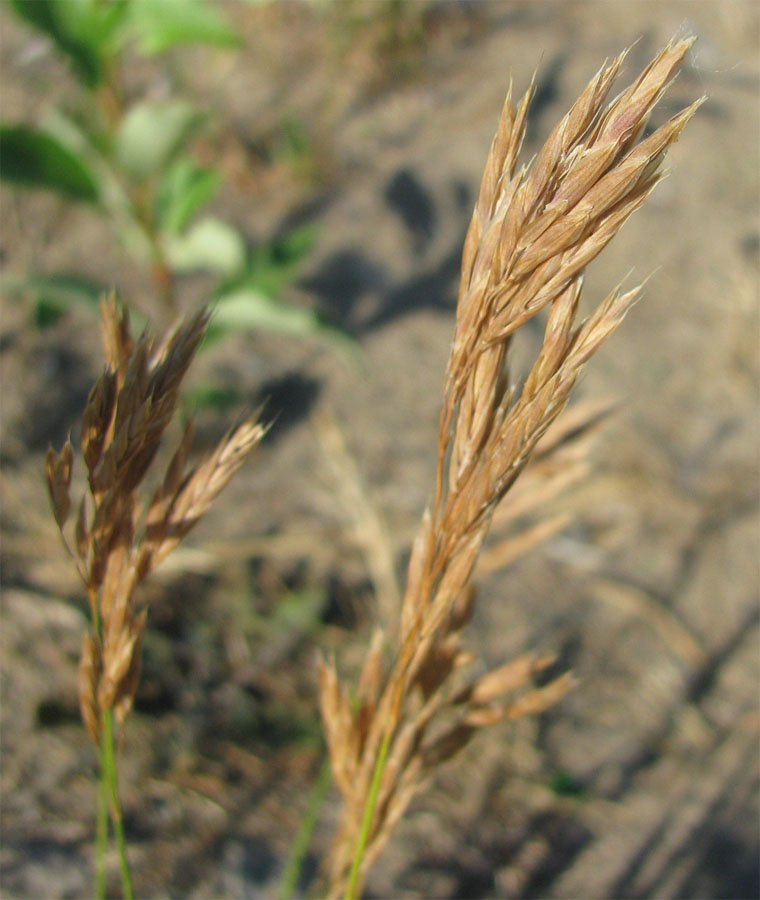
column 118, row 538
column 533, row 232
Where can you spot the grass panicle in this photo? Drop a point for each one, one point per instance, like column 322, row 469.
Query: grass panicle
column 118, row 538
column 115, row 545
column 532, row 234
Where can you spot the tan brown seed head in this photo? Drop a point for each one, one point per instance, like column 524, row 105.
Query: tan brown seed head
column 127, row 413
column 532, row 233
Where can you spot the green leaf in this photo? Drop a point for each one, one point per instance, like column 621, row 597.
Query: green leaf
column 45, row 15
column 184, row 189
column 57, row 293
column 152, row 134
column 209, row 396
column 46, row 314
column 68, row 289
column 565, row 784
column 54, row 294
column 37, row 159
column 297, row 614
column 96, row 23
column 246, row 308
column 210, row 244
column 275, row 265
column 249, row 308
column 161, row 24
column 84, row 30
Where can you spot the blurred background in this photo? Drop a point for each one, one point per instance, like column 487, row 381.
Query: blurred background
column 311, row 168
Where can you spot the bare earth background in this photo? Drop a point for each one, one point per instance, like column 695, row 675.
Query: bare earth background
column 644, row 781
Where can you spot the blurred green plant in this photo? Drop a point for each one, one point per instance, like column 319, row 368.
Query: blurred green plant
column 393, row 33
column 132, row 161
column 565, row 784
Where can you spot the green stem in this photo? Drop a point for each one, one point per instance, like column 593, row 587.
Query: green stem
column 305, row 831
column 101, row 833
column 112, row 780
column 143, row 201
column 369, row 813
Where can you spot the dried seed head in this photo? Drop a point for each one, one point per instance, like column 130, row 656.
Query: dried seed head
column 532, row 233
column 539, row 700
column 126, row 415
column 171, row 518
column 506, row 551
column 89, row 676
column 121, row 648
column 58, row 468
column 125, row 695
column 507, row 678
column 117, row 339
column 96, row 421
column 448, row 745
column 370, row 681
column 81, row 532
column 338, row 722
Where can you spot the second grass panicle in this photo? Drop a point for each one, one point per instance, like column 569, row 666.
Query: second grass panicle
column 119, row 537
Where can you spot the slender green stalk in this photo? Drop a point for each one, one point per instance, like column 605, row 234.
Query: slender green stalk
column 369, row 813
column 101, row 870
column 305, row 831
column 143, row 203
column 110, row 773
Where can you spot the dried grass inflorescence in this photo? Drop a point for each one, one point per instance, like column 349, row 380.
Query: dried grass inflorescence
column 118, row 539
column 533, row 232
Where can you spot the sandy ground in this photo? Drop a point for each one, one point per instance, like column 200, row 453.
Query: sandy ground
column 651, row 596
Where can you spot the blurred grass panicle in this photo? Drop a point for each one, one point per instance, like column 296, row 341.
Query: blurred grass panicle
column 119, row 537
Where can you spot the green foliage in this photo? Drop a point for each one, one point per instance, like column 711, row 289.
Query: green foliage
column 296, row 146
column 90, row 32
column 274, row 265
column 152, row 135
column 565, row 784
column 135, row 163
column 162, row 24
column 246, row 308
column 85, row 31
column 295, row 616
column 248, row 301
column 221, row 398
column 36, row 159
column 300, row 847
column 56, row 293
column 184, row 189
column 211, row 245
